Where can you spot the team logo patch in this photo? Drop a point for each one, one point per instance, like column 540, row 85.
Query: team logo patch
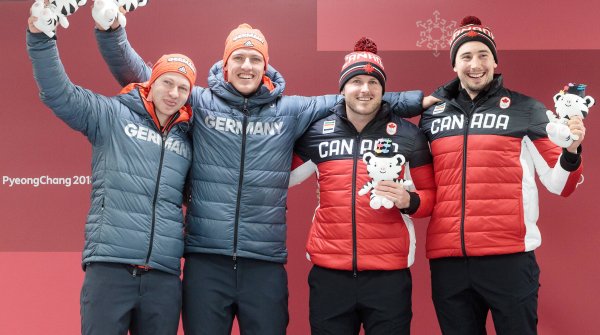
column 439, row 108
column 383, row 146
column 182, row 69
column 504, row 102
column 328, row 127
column 391, row 128
column 248, row 44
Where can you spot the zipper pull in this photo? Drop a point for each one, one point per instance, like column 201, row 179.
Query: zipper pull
column 134, row 271
column 235, row 261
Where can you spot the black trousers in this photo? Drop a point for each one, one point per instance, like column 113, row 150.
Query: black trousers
column 464, row 289
column 114, row 301
column 340, row 302
column 214, row 293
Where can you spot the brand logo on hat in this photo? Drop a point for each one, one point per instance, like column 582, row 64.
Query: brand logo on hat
column 249, row 35
column 439, row 109
column 328, row 127
column 391, row 128
column 504, row 102
column 248, row 44
column 182, row 70
column 182, row 60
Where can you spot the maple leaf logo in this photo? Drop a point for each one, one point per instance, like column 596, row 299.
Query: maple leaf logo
column 505, row 100
column 368, row 68
column 472, row 33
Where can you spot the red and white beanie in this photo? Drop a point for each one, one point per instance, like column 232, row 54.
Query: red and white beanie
column 363, row 60
column 471, row 30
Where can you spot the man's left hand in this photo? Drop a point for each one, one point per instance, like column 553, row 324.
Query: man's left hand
column 577, row 128
column 429, row 101
column 394, row 192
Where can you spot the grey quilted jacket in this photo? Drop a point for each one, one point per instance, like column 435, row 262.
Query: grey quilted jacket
column 138, row 174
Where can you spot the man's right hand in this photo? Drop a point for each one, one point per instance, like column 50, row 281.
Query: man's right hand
column 115, row 24
column 104, row 11
column 32, row 27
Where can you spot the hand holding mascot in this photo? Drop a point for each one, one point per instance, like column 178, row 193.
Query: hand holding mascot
column 105, row 12
column 382, row 168
column 51, row 13
column 569, row 102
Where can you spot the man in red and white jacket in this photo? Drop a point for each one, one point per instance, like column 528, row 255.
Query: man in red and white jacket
column 487, row 144
column 360, row 254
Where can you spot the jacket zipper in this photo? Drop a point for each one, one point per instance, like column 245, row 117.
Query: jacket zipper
column 156, row 188
column 355, row 154
column 240, row 183
column 464, row 179
column 162, row 155
column 354, row 172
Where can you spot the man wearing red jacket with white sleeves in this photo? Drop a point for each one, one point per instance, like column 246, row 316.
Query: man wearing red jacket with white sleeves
column 488, row 143
column 361, row 255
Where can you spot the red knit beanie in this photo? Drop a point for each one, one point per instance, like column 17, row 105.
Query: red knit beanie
column 471, row 30
column 363, row 60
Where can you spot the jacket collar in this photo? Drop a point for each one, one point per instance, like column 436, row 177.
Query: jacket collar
column 134, row 96
column 383, row 114
column 266, row 93
column 451, row 89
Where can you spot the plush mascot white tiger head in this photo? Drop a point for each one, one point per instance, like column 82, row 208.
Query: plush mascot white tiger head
column 570, row 101
column 382, row 165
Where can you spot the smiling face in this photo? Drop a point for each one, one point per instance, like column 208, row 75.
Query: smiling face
column 363, row 95
column 168, row 93
column 245, row 70
column 475, row 67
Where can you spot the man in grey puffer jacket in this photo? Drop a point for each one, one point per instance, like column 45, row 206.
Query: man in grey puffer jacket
column 141, row 154
column 243, row 136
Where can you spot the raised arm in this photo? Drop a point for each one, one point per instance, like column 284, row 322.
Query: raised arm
column 309, row 109
column 122, row 60
column 81, row 109
column 405, row 104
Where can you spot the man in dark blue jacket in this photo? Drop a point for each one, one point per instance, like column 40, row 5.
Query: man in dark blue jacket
column 141, row 154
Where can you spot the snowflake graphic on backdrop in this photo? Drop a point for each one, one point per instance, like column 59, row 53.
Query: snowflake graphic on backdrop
column 436, row 33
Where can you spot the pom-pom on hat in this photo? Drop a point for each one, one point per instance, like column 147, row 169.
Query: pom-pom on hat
column 471, row 30
column 176, row 63
column 244, row 36
column 363, row 60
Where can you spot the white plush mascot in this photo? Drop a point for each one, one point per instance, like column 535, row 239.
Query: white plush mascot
column 65, row 8
column 105, row 12
column 379, row 169
column 53, row 13
column 569, row 102
column 47, row 19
